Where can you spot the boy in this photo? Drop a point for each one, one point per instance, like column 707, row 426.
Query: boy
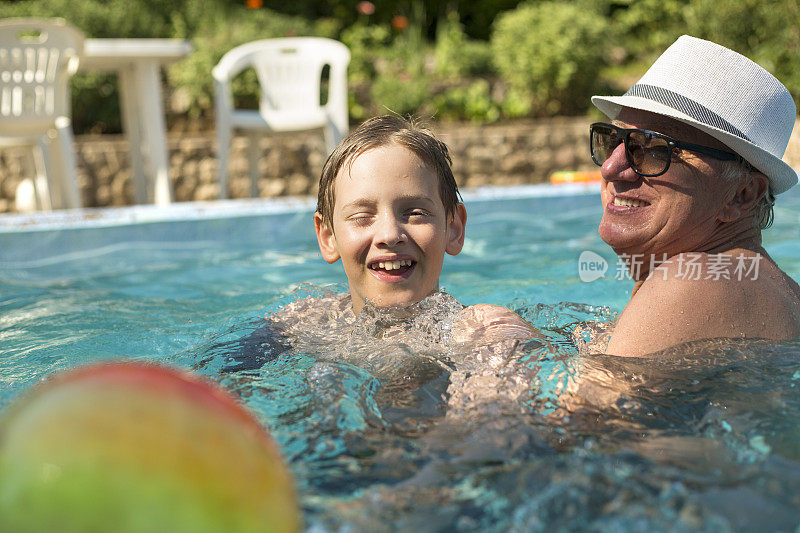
column 388, row 208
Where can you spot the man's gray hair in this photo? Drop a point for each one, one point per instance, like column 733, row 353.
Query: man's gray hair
column 738, row 170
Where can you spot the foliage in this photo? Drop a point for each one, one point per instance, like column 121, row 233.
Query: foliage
column 403, row 95
column 389, row 70
column 95, row 101
column 402, row 82
column 516, row 104
column 458, row 56
column 367, row 44
column 99, row 18
column 476, row 14
column 645, row 28
column 766, row 32
column 544, row 57
column 550, row 52
column 211, row 40
column 473, row 101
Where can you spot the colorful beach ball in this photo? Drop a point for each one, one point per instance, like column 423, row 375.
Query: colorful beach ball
column 139, row 447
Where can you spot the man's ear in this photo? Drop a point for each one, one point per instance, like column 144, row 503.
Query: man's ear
column 746, row 196
column 456, row 230
column 326, row 240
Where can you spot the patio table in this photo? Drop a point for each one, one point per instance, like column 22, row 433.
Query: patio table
column 137, row 62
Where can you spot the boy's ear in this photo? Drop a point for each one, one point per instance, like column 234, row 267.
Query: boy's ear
column 455, row 230
column 326, row 240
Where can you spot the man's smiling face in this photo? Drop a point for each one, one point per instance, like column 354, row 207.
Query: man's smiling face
column 667, row 214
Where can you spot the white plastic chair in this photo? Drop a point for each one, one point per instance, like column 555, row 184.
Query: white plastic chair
column 37, row 57
column 289, row 73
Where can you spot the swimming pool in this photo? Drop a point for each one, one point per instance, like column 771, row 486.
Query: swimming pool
column 708, row 441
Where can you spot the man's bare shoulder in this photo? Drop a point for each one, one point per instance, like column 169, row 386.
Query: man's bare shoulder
column 664, row 312
column 699, row 296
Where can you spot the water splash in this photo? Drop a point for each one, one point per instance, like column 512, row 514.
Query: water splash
column 388, row 426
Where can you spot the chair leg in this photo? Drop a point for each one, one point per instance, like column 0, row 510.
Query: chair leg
column 330, row 138
column 47, row 196
column 131, row 126
column 46, row 188
column 65, row 149
column 224, row 134
column 253, row 151
column 333, row 135
column 25, row 197
column 32, row 193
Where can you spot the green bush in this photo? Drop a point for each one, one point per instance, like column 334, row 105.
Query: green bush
column 367, row 44
column 473, row 102
column 95, row 99
column 516, row 104
column 766, row 32
column 396, row 69
column 212, row 26
column 95, row 103
column 645, row 28
column 104, row 18
column 458, row 56
column 552, row 53
column 400, row 94
column 211, row 40
column 543, row 58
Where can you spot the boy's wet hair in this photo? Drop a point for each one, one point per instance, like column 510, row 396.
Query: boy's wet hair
column 382, row 131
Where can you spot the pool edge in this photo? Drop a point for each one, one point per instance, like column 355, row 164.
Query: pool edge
column 200, row 210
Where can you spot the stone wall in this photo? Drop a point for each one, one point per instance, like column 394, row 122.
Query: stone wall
column 503, row 154
column 509, row 153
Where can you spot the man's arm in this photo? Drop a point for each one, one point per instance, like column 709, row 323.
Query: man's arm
column 486, row 323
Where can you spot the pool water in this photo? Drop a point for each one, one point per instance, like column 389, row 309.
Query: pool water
column 389, row 428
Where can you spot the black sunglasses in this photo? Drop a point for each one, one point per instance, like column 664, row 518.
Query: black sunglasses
column 648, row 152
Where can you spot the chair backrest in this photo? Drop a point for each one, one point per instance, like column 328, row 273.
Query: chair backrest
column 37, row 57
column 289, row 70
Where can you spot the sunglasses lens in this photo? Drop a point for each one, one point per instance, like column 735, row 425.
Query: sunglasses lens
column 647, row 155
column 604, row 141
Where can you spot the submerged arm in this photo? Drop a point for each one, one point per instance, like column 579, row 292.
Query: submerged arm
column 266, row 343
column 486, row 323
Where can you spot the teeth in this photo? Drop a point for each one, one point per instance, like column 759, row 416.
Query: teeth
column 393, row 265
column 624, row 202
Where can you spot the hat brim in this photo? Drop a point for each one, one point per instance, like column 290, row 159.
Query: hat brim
column 780, row 175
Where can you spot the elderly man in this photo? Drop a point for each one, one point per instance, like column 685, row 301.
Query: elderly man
column 691, row 161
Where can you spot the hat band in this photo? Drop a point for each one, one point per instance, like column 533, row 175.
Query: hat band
column 686, row 106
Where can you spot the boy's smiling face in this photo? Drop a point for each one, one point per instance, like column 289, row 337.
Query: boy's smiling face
column 390, row 228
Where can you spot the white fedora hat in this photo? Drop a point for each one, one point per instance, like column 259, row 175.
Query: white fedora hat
column 723, row 94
